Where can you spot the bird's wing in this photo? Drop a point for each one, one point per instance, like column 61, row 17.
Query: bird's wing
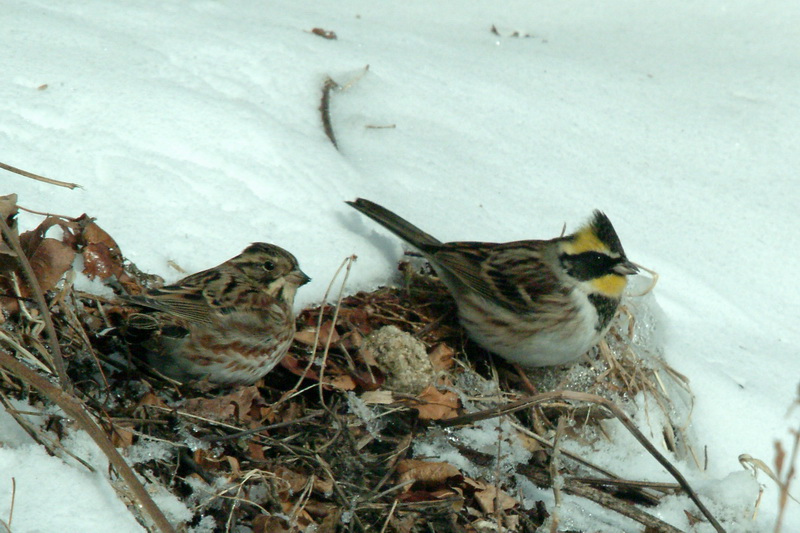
column 196, row 299
column 510, row 275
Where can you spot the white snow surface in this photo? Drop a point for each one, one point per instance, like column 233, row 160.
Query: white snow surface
column 194, row 129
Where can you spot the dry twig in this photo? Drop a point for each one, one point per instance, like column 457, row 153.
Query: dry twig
column 75, row 410
column 55, row 348
column 36, row 177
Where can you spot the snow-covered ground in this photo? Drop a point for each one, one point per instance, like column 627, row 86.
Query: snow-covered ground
column 194, row 129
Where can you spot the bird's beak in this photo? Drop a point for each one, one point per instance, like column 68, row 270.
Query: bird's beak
column 299, row 277
column 625, row 268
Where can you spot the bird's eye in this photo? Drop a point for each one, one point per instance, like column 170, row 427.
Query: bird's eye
column 595, row 258
column 269, row 266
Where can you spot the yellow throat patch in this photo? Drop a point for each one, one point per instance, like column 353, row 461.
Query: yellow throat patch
column 610, row 285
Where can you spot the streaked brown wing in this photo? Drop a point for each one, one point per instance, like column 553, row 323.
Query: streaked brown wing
column 191, row 307
column 510, row 274
column 192, row 299
column 463, row 260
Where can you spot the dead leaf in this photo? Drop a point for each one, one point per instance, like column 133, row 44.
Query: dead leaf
column 214, row 463
column 356, row 317
column 101, row 253
column 122, row 436
column 98, row 262
column 297, row 482
column 30, row 240
column 378, row 397
column 429, row 474
column 437, row 405
column 529, row 443
column 298, row 367
column 490, row 498
column 341, row 382
column 8, row 210
column 319, row 509
column 50, row 261
column 334, row 377
column 256, row 451
column 242, row 405
column 327, row 330
column 403, row 522
column 352, row 340
column 325, row 34
column 151, row 398
column 442, row 357
column 307, row 336
column 270, row 524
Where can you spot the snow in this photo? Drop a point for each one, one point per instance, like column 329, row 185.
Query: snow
column 194, row 130
column 49, row 492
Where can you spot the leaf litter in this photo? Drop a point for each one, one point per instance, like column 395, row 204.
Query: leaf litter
column 346, row 434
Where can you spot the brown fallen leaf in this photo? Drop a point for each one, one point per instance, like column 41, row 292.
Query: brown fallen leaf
column 50, row 261
column 334, row 377
column 428, row 474
column 122, row 436
column 98, row 262
column 357, row 317
column 302, row 520
column 489, row 497
column 30, row 240
column 150, row 398
column 296, row 481
column 378, row 397
column 207, row 461
column 436, row 404
column 271, row 524
column 442, row 357
column 307, row 336
column 8, row 210
column 241, row 405
column 341, row 382
column 325, row 34
column 256, row 451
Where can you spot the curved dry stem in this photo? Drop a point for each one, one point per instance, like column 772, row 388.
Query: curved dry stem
column 37, row 177
column 75, row 410
column 55, row 348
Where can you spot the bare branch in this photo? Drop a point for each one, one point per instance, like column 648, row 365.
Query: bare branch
column 36, row 177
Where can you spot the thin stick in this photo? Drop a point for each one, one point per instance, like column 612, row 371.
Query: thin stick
column 55, row 348
column 52, row 446
column 348, row 265
column 558, row 481
column 629, row 484
column 240, row 434
column 36, row 177
column 389, row 517
column 328, row 86
column 325, row 109
column 616, row 411
column 77, row 412
column 610, row 502
column 13, row 498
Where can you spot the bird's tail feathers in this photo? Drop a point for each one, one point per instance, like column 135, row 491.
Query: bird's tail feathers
column 397, row 225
